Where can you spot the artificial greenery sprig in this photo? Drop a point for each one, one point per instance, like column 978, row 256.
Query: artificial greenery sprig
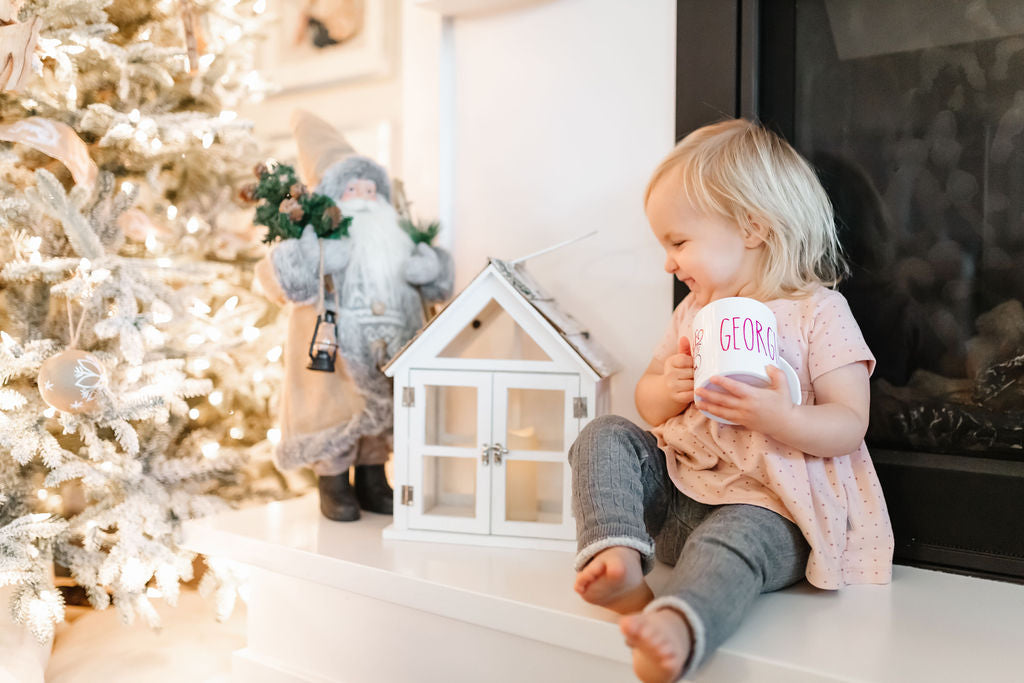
column 286, row 206
column 420, row 234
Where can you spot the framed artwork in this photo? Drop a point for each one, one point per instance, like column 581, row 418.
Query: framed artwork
column 316, row 43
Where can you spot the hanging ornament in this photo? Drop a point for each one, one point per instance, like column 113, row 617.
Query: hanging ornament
column 71, row 380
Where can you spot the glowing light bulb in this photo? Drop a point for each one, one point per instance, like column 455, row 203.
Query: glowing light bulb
column 194, row 413
column 210, row 449
column 208, row 141
column 134, row 116
column 257, row 376
column 227, row 116
column 274, row 435
column 42, row 494
column 200, row 364
column 250, row 333
column 236, row 433
column 193, row 223
column 274, row 354
column 216, row 398
column 50, row 412
column 172, row 212
column 260, row 7
column 151, row 242
column 231, row 303
column 195, row 339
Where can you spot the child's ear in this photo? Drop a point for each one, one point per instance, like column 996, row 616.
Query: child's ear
column 755, row 232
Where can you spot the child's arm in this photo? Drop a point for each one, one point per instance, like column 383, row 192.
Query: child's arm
column 834, row 425
column 665, row 389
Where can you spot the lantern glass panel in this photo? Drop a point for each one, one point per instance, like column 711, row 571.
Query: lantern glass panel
column 449, row 486
column 536, row 420
column 494, row 334
column 533, row 491
column 451, row 416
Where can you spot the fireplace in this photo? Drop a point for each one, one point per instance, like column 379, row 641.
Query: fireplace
column 913, row 115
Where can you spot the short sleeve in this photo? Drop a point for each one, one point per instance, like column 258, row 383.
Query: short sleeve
column 835, row 338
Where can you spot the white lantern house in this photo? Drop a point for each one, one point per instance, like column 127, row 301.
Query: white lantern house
column 489, row 397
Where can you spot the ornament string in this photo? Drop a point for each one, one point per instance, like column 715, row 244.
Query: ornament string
column 74, row 330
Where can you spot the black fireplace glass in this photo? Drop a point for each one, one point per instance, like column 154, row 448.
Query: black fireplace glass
column 912, row 112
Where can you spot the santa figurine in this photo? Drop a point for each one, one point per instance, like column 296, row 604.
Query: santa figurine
column 332, row 421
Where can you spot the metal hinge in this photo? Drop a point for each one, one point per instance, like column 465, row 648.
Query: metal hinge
column 579, row 407
column 406, row 494
column 408, row 396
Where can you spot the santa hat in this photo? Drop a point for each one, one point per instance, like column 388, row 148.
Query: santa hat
column 327, row 162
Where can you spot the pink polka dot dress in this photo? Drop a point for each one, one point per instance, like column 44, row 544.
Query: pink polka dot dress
column 837, row 502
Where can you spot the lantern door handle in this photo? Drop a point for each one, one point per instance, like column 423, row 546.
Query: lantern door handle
column 499, row 453
column 485, row 454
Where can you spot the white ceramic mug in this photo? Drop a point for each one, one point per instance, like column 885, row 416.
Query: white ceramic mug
column 737, row 337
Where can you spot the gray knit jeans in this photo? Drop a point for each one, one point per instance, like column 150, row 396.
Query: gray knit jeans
column 724, row 556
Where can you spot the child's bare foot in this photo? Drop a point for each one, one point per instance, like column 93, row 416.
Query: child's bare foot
column 660, row 640
column 614, row 579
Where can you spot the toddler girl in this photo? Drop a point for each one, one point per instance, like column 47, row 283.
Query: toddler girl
column 787, row 492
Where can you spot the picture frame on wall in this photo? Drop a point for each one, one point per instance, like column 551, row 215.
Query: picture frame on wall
column 318, row 43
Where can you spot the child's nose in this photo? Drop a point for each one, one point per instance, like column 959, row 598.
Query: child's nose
column 670, row 265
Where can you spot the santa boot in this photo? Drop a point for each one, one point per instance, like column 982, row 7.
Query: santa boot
column 373, row 491
column 338, row 500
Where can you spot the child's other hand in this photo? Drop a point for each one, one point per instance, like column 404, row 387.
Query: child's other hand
column 760, row 409
column 678, row 374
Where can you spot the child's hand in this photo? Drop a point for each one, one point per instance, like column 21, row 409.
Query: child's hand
column 678, row 374
column 760, row 409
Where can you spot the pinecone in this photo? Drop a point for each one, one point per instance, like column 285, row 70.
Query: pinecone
column 333, row 214
column 248, row 193
column 297, row 190
column 292, row 207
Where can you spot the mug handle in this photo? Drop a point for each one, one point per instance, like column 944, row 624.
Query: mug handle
column 792, row 380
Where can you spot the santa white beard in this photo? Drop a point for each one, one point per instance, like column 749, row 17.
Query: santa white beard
column 380, row 249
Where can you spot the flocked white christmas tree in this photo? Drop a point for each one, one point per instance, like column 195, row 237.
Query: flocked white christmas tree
column 126, row 259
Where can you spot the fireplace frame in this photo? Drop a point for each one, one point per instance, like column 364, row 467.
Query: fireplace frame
column 959, row 513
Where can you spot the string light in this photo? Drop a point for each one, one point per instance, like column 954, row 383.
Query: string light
column 193, row 223
column 274, row 354
column 50, row 412
column 127, row 187
column 230, row 304
column 172, row 212
column 236, row 433
column 250, row 333
column 210, row 449
column 201, row 364
column 42, row 494
column 194, row 413
column 273, row 435
column 134, row 116
column 216, row 398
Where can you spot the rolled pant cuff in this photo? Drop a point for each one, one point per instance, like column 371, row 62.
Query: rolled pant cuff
column 699, row 638
column 645, row 549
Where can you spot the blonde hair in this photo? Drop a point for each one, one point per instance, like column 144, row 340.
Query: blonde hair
column 749, row 175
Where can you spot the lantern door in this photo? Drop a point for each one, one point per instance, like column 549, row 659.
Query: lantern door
column 450, row 424
column 533, row 427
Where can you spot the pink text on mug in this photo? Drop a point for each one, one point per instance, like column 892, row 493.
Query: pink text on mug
column 752, row 333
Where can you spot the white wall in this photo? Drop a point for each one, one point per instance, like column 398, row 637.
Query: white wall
column 530, row 126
